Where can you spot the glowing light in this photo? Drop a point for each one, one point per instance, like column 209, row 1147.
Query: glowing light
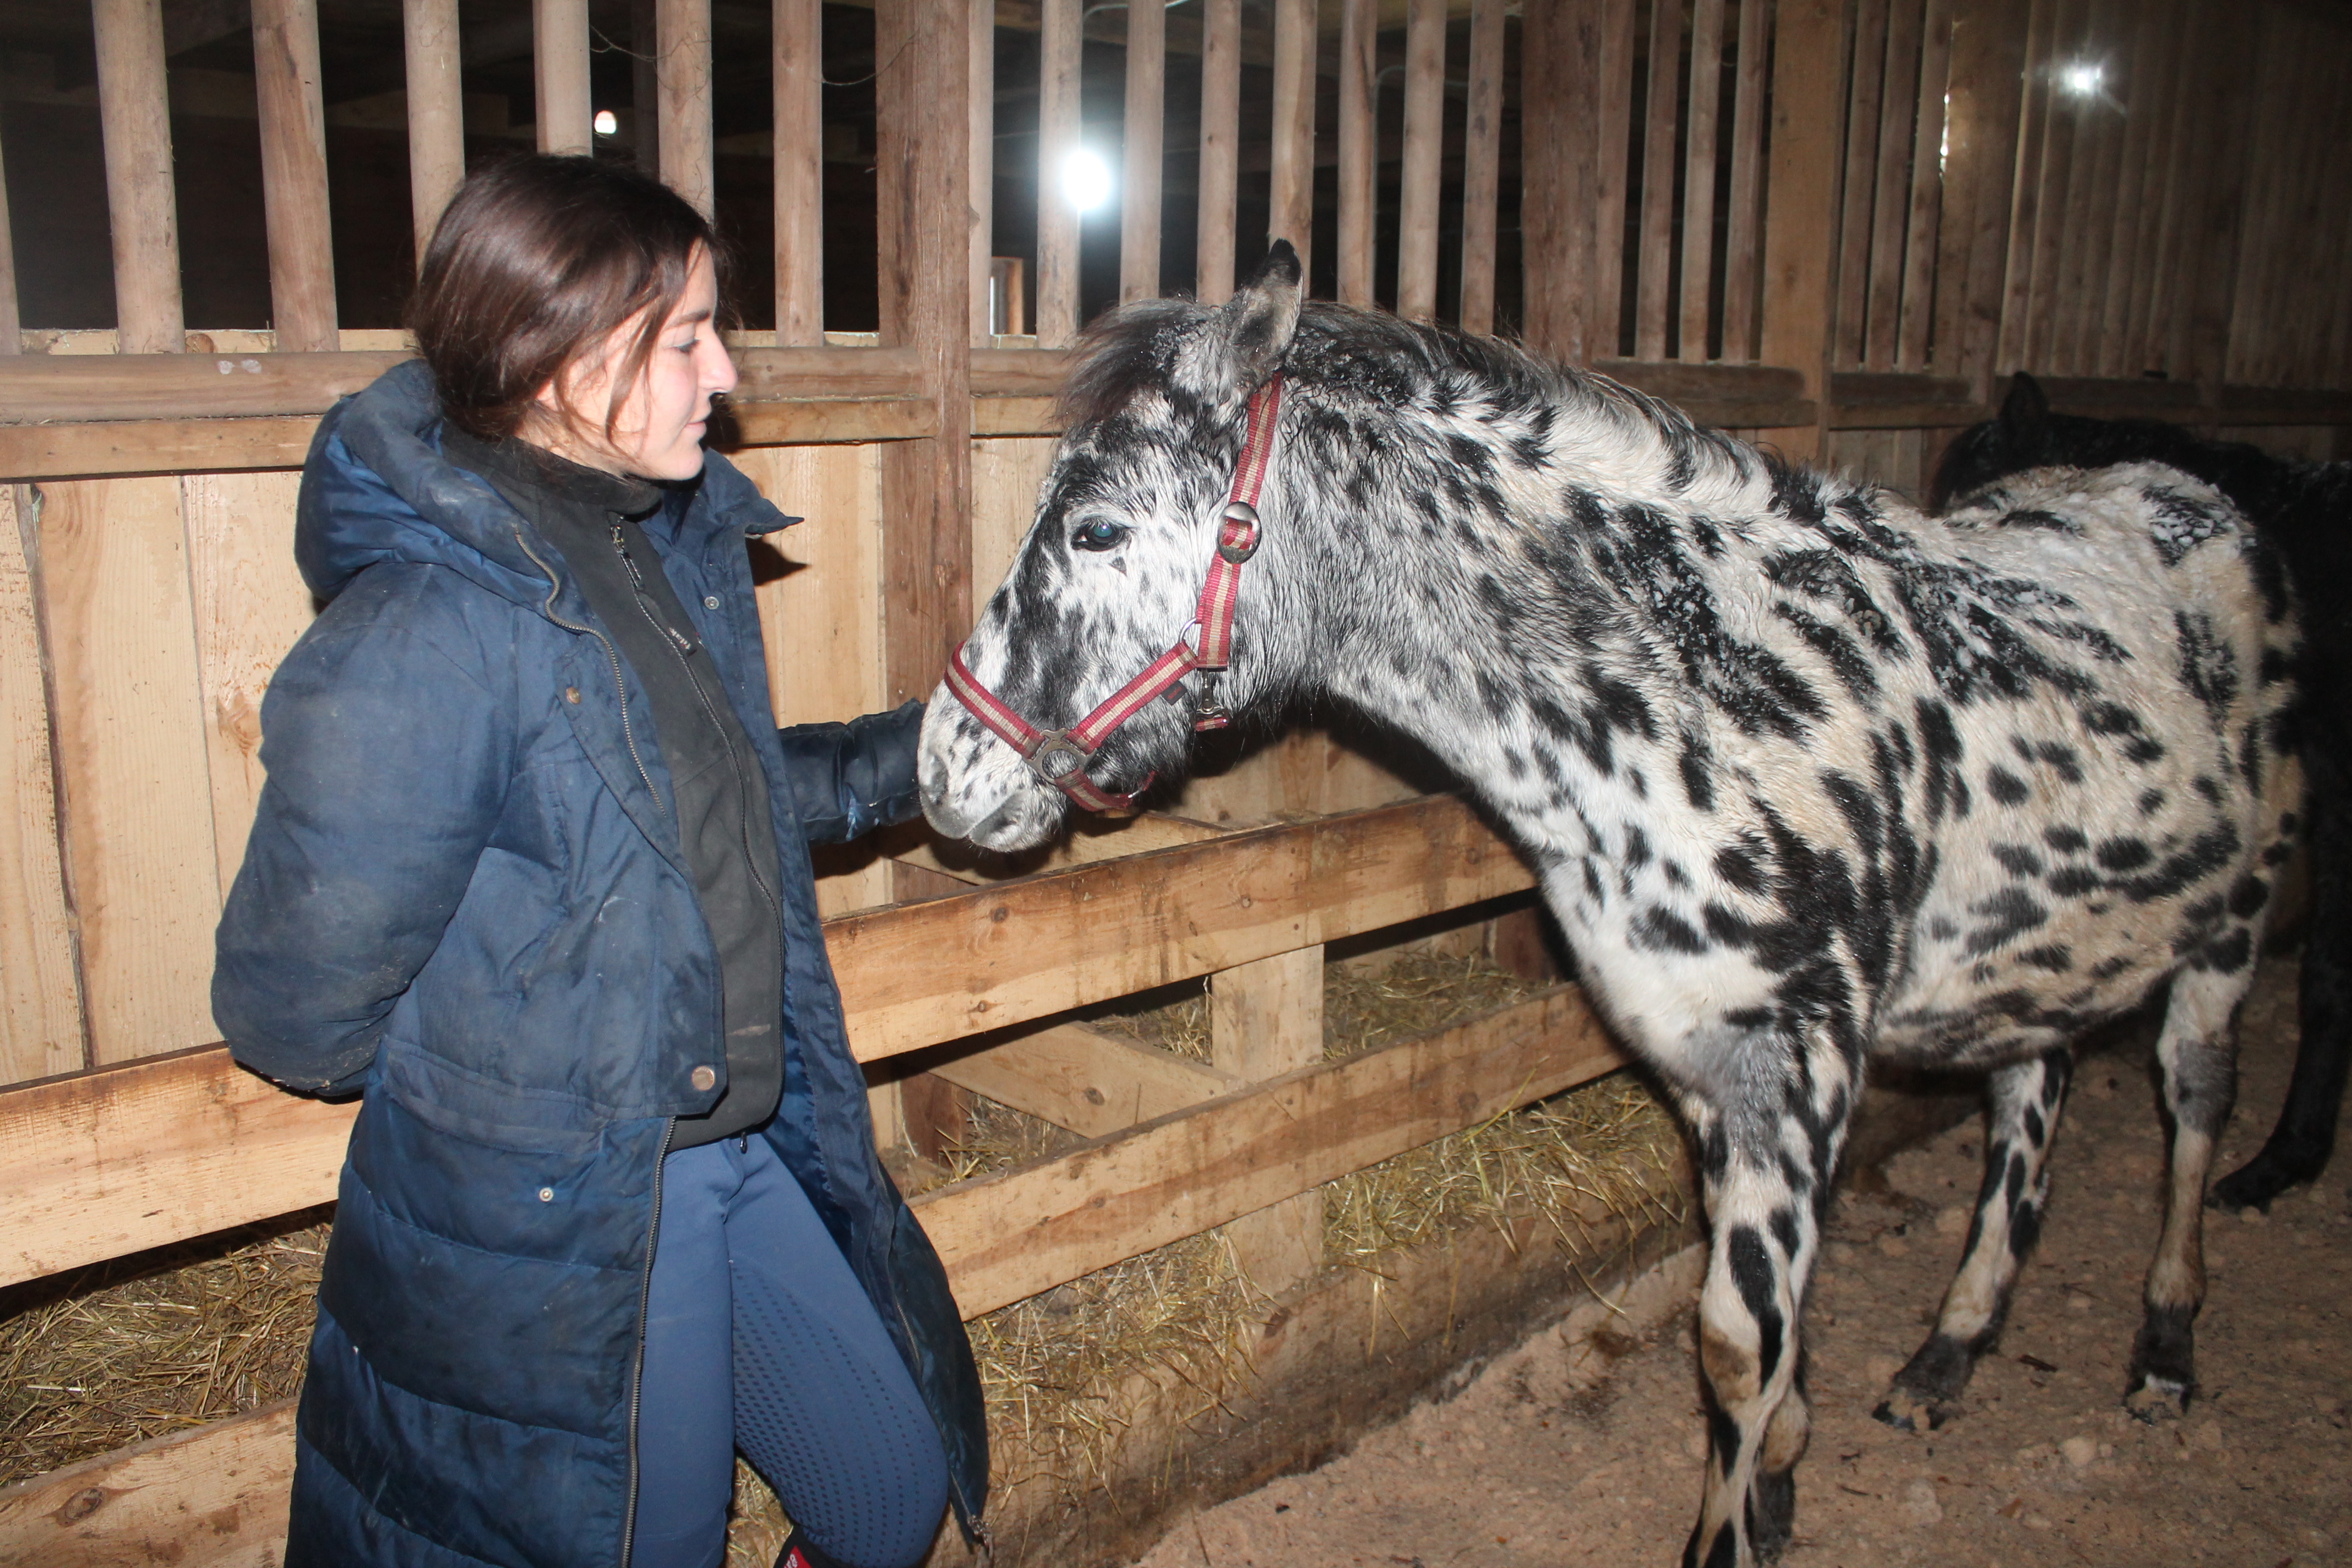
column 1085, row 179
column 2083, row 80
column 607, row 122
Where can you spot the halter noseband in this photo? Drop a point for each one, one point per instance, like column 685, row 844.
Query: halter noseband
column 1059, row 757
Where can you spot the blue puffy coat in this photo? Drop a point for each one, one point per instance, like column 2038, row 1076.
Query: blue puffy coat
column 461, row 898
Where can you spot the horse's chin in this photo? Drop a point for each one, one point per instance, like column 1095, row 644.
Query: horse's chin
column 1023, row 820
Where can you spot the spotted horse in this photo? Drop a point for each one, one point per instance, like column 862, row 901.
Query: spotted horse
column 1809, row 777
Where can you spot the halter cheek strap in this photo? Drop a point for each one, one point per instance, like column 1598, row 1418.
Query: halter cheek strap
column 1059, row 757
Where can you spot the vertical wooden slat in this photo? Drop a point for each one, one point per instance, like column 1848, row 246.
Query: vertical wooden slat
column 1988, row 75
column 2062, row 172
column 2025, row 203
column 1482, row 164
column 294, row 175
column 1919, row 247
column 1560, row 44
column 1424, row 148
column 560, row 76
column 1292, row 214
column 980, row 178
column 921, row 163
column 9, row 323
column 436, row 112
column 131, row 745
column 2167, row 192
column 134, row 117
column 2218, row 170
column 2257, row 226
column 1890, row 206
column 2090, row 201
column 645, row 90
column 1359, row 150
column 1862, row 91
column 797, row 82
column 1059, row 64
column 2137, row 193
column 1266, row 1019
column 1612, row 99
column 41, row 988
column 1146, row 135
column 1698, row 176
column 1799, row 261
column 1221, row 116
column 1653, row 283
column 682, row 79
column 1744, row 217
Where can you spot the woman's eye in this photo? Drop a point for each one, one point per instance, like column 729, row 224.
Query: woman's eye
column 1097, row 535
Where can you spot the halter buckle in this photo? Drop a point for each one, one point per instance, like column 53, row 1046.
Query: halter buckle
column 1237, row 532
column 1056, row 757
column 1208, row 713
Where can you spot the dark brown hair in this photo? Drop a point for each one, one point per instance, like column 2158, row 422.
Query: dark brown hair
column 536, row 261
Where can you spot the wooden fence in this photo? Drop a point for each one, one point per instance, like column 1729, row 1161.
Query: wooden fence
column 1831, row 223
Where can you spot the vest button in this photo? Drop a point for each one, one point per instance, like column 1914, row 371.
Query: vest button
column 710, row 601
column 547, row 1194
column 703, row 1079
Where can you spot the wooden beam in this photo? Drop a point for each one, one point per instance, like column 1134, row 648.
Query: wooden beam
column 1359, row 22
column 980, row 179
column 1559, row 234
column 41, row 1030
column 1221, row 98
column 565, row 109
column 682, row 93
column 1291, row 214
column 1610, row 126
column 1265, row 1019
column 294, row 175
column 797, row 82
column 437, row 113
column 139, row 1505
column 1699, row 179
column 1007, row 1238
column 1890, row 204
column 1145, row 128
column 1084, row 1079
column 1653, row 282
column 1482, row 162
column 34, row 387
column 1857, row 180
column 1917, row 309
column 11, row 337
column 142, row 212
column 1799, row 255
column 1424, row 152
column 820, row 421
column 1060, row 71
column 1980, row 180
column 1742, row 284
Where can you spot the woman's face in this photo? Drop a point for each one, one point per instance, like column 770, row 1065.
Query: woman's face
column 658, row 434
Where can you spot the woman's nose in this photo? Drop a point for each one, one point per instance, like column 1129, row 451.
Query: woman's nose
column 719, row 370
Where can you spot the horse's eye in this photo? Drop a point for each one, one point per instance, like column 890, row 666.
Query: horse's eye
column 1097, row 535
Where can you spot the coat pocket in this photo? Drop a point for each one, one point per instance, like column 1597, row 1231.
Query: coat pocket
column 464, row 1104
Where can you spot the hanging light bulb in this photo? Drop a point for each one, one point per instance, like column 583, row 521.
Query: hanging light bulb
column 1085, row 179
column 2083, row 78
column 607, row 122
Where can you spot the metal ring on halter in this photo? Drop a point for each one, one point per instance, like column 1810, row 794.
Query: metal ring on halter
column 1237, row 551
column 1057, row 756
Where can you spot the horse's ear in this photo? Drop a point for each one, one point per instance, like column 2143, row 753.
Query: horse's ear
column 2027, row 406
column 1258, row 321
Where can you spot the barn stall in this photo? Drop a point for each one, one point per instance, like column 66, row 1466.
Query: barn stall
column 1834, row 225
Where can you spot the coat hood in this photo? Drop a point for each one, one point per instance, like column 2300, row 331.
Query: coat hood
column 377, row 487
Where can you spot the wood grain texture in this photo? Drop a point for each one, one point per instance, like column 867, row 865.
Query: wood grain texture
column 294, row 174
column 2136, row 192
column 1744, row 220
column 40, row 984
column 1606, row 331
column 215, row 1497
column 1653, row 290
column 1990, row 41
column 682, row 93
column 1890, row 206
column 1865, row 82
column 1221, row 97
column 1801, row 276
column 10, row 338
column 2033, row 169
column 980, row 174
column 566, row 109
column 142, row 211
column 1005, row 477
column 1144, row 139
column 250, row 605
column 1265, row 1019
column 1920, row 232
column 131, row 744
column 1694, row 288
column 436, row 112
column 1424, row 152
column 1557, row 136
column 1481, row 164
column 1086, row 1079
column 1358, row 147
column 1291, row 214
column 797, row 82
column 1057, row 138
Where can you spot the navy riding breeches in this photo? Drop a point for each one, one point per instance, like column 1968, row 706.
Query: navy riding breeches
column 758, row 1337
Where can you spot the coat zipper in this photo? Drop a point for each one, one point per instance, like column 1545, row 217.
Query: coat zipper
column 645, row 1311
column 556, row 586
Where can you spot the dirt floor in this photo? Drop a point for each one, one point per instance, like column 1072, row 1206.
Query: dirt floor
column 1586, row 1447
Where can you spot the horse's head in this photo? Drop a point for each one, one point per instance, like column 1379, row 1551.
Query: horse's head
column 1111, row 572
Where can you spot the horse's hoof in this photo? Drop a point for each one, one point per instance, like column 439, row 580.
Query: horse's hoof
column 1907, row 1410
column 2156, row 1399
column 1771, row 1513
column 2253, row 1184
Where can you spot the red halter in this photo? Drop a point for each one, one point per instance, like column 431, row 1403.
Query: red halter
column 1059, row 757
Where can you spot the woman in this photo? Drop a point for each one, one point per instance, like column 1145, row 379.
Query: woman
column 531, row 872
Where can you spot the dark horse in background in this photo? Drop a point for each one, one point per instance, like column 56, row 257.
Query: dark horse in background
column 2304, row 510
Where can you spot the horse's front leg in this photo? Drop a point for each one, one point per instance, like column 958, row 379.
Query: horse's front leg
column 1768, row 1146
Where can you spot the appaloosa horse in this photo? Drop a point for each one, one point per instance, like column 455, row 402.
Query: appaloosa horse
column 1809, row 777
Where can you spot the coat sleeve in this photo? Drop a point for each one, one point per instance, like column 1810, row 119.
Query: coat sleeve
column 850, row 779
column 388, row 765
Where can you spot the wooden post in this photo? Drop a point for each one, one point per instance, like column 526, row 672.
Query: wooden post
column 1559, row 44
column 1653, row 282
column 980, row 178
column 1698, row 177
column 1481, row 164
column 1740, row 282
column 644, row 89
column 1292, row 214
column 1799, row 231
column 1927, row 190
column 1857, row 180
column 1980, row 180
column 2139, row 195
column 2211, row 278
column 1145, row 136
column 1360, row 24
column 437, row 113
column 1057, row 137
column 10, row 326
column 1221, row 114
column 923, row 164
column 1425, row 150
column 567, row 115
column 134, row 117
column 294, row 175
column 1266, row 1019
column 1611, row 131
column 2025, row 204
column 798, row 83
column 1890, row 206
column 682, row 77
